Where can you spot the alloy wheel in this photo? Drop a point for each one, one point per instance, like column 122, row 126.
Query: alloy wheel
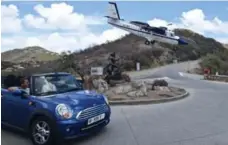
column 41, row 132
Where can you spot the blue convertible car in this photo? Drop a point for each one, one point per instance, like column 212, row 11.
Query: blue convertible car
column 57, row 108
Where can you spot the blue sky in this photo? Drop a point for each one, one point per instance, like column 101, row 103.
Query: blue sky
column 143, row 11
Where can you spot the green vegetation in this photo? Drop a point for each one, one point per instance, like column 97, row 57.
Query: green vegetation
column 216, row 62
column 47, row 57
column 34, row 53
column 130, row 49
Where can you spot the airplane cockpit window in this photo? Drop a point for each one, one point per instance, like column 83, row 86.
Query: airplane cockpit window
column 158, row 30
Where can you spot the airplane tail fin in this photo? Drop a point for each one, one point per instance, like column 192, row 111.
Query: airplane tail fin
column 113, row 12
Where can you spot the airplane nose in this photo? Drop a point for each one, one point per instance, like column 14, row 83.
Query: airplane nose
column 182, row 42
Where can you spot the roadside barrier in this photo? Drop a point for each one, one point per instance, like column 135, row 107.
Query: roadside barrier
column 222, row 78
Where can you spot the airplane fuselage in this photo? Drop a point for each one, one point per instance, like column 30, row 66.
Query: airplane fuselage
column 141, row 29
column 137, row 30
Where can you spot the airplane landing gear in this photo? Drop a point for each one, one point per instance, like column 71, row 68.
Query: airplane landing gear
column 152, row 42
column 147, row 42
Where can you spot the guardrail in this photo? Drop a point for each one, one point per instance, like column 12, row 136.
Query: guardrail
column 222, row 78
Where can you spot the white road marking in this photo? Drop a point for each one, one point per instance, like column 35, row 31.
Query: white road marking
column 181, row 74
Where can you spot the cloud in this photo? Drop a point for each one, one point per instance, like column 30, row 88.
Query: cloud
column 11, row 22
column 156, row 22
column 60, row 16
column 59, row 42
column 64, row 29
column 195, row 20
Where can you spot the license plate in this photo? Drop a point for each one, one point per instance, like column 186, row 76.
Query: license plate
column 96, row 118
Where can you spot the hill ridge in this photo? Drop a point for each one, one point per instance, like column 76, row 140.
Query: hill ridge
column 31, row 53
column 132, row 49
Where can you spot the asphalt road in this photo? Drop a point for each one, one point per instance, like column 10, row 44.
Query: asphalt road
column 200, row 119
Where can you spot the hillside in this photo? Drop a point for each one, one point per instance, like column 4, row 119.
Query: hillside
column 226, row 46
column 131, row 49
column 27, row 54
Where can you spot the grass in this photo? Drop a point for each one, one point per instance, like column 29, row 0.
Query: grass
column 47, row 57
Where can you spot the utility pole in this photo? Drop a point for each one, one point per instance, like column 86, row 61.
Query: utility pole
column 188, row 66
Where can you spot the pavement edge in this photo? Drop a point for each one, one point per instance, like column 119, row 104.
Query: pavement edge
column 150, row 101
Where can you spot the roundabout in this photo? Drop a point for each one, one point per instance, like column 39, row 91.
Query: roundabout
column 200, row 119
column 128, row 95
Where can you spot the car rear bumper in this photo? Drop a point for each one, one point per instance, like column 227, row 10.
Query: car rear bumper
column 72, row 129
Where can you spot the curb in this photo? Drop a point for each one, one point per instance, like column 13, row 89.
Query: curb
column 150, row 101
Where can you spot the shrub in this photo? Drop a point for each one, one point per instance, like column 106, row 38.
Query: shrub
column 128, row 65
column 159, row 83
column 217, row 61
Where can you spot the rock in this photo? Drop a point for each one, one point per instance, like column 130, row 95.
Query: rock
column 141, row 87
column 136, row 94
column 137, row 84
column 166, row 89
column 122, row 89
column 149, row 87
column 156, row 88
column 149, row 82
column 95, row 83
column 100, row 84
column 109, row 94
column 126, row 77
column 159, row 88
column 160, row 83
column 132, row 94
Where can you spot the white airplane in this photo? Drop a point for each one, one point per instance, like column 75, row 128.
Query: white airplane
column 152, row 34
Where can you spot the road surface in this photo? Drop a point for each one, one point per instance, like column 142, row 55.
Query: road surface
column 200, row 119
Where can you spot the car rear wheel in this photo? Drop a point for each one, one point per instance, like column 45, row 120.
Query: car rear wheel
column 41, row 132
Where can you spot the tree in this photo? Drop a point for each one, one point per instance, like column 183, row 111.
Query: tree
column 216, row 62
column 67, row 63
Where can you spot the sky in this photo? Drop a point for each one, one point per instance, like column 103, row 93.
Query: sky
column 74, row 25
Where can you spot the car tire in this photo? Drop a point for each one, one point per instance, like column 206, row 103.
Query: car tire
column 39, row 129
